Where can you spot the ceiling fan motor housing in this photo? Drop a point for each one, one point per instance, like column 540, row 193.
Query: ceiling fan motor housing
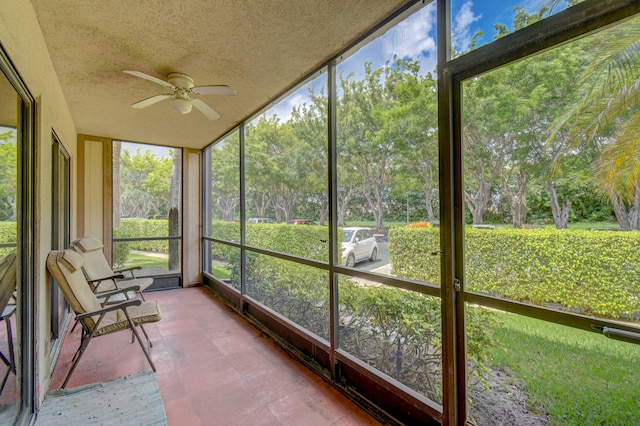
column 181, row 81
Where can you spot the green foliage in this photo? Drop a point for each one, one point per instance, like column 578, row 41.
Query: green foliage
column 145, row 182
column 377, row 321
column 303, row 241
column 300, row 293
column 373, row 318
column 120, row 249
column 8, row 235
column 596, row 273
column 8, row 176
column 139, row 228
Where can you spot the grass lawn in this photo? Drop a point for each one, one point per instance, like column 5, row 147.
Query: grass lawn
column 580, row 378
column 221, row 272
column 135, row 259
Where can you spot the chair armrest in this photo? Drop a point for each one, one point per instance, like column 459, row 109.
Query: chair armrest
column 95, row 284
column 112, row 277
column 129, row 269
column 107, row 294
column 109, row 308
column 113, row 292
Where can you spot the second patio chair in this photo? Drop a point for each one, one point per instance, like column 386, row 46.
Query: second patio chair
column 98, row 319
column 98, row 272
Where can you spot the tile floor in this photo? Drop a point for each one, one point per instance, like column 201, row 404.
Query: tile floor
column 213, row 369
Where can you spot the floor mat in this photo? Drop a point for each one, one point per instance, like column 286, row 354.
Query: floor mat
column 132, row 400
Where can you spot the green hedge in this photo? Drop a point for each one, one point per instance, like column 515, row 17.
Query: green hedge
column 303, row 241
column 144, row 228
column 8, row 235
column 593, row 272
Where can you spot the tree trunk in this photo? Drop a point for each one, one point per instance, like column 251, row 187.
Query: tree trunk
column 479, row 200
column 343, row 202
column 627, row 219
column 428, row 200
column 560, row 214
column 428, row 194
column 518, row 199
column 174, row 210
column 634, row 213
column 174, row 245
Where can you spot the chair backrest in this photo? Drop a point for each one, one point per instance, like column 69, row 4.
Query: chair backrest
column 95, row 264
column 7, row 279
column 66, row 268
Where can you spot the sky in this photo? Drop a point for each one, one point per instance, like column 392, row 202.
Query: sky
column 415, row 38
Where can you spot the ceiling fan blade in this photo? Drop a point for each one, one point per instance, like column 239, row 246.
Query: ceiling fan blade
column 209, row 112
column 150, row 101
column 213, row 90
column 150, row 78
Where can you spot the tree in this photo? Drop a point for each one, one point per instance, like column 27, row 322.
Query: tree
column 370, row 135
column 225, row 178
column 607, row 115
column 309, row 126
column 415, row 114
column 145, row 181
column 275, row 166
column 508, row 113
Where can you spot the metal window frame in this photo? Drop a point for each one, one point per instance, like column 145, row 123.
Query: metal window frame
column 567, row 25
column 27, row 270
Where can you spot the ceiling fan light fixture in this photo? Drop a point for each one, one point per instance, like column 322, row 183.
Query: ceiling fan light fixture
column 182, row 106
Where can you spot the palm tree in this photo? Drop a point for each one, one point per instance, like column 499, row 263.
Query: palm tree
column 608, row 115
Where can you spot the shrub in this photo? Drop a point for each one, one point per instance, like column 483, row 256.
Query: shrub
column 423, row 224
column 596, row 273
column 8, row 235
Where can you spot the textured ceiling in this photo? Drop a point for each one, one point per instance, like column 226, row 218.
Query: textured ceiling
column 258, row 48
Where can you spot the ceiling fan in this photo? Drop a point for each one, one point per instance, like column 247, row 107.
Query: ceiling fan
column 184, row 93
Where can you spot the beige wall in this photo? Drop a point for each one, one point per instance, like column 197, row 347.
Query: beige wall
column 94, row 189
column 21, row 38
column 191, row 214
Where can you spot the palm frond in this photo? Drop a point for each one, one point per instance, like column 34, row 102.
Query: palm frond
column 618, row 167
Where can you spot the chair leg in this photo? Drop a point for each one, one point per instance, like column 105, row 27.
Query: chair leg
column 147, row 336
column 142, row 295
column 146, row 352
column 4, row 380
column 74, row 326
column 76, row 358
column 12, row 356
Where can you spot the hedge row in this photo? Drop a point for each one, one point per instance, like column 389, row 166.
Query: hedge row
column 596, row 273
column 8, row 235
column 303, row 241
column 144, row 228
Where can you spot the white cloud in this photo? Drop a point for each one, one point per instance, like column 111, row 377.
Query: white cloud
column 461, row 27
column 413, row 36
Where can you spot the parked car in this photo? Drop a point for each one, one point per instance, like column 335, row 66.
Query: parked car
column 300, row 222
column 358, row 244
column 260, row 220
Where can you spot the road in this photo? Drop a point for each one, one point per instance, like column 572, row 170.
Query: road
column 383, row 258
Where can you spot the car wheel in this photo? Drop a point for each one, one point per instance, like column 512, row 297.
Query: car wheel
column 351, row 261
column 374, row 255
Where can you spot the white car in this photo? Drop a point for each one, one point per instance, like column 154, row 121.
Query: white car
column 261, row 220
column 358, row 244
